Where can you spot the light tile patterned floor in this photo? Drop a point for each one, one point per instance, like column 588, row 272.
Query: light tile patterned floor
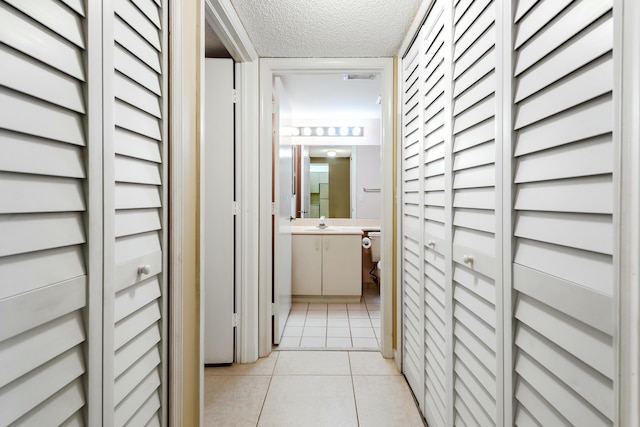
column 334, row 326
column 310, row 388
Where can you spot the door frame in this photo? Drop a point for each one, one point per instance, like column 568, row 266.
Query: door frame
column 186, row 64
column 268, row 68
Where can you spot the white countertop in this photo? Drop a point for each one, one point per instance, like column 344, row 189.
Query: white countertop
column 306, row 229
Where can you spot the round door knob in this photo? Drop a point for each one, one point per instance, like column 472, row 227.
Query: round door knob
column 468, row 259
column 144, row 269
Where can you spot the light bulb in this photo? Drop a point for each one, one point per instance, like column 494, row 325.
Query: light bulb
column 331, row 153
column 344, row 131
column 331, row 131
column 320, row 131
column 357, row 131
column 306, row 131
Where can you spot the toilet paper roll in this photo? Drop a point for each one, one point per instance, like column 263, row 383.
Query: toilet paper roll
column 366, row 242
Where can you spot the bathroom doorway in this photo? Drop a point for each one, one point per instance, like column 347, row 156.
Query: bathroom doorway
column 334, row 323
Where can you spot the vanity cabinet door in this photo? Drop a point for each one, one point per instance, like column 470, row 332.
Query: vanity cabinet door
column 306, row 265
column 342, row 265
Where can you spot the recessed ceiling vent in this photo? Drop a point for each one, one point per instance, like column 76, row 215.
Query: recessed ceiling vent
column 359, row 76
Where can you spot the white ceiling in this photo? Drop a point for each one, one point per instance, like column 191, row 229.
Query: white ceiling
column 318, row 96
column 326, row 28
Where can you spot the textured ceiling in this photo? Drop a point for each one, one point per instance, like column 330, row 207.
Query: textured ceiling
column 326, row 28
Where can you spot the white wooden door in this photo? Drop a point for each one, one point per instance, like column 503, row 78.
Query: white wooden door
column 437, row 213
column 563, row 154
column 47, row 346
column 217, row 188
column 135, row 212
column 412, row 221
column 285, row 202
column 474, row 205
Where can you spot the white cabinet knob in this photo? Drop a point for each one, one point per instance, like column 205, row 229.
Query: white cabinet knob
column 144, row 269
column 468, row 259
column 431, row 243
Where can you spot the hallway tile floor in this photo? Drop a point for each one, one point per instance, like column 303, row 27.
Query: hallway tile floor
column 334, row 326
column 310, row 388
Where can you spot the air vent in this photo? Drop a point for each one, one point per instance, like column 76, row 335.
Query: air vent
column 359, row 76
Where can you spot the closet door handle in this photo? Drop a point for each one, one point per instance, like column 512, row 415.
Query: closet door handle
column 144, row 269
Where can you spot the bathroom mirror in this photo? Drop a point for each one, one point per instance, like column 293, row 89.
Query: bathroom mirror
column 337, row 181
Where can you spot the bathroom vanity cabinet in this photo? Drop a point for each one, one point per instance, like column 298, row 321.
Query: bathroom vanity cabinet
column 326, row 265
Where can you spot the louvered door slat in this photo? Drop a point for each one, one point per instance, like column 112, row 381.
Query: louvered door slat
column 573, row 55
column 25, row 74
column 31, row 38
column 31, row 155
column 563, row 27
column 61, row 408
column 138, row 21
column 55, row 16
column 55, row 122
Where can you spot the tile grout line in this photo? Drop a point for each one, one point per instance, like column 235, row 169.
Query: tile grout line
column 353, row 389
column 264, row 400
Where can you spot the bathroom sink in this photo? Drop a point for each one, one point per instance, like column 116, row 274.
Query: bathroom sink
column 321, row 230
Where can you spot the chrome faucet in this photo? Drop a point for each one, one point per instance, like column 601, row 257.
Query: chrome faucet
column 322, row 223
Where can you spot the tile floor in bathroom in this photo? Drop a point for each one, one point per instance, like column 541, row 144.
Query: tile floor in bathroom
column 310, row 388
column 335, row 326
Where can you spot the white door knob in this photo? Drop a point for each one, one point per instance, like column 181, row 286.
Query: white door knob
column 144, row 269
column 431, row 243
column 468, row 259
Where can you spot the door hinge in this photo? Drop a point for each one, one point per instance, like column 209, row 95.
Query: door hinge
column 273, row 208
column 273, row 308
column 235, row 320
column 234, row 208
column 235, row 96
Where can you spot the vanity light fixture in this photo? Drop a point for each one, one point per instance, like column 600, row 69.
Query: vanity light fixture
column 331, row 153
column 332, row 131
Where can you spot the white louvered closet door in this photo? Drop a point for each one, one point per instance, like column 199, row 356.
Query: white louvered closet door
column 44, row 146
column 436, row 215
column 564, row 159
column 412, row 221
column 474, row 213
column 135, row 214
